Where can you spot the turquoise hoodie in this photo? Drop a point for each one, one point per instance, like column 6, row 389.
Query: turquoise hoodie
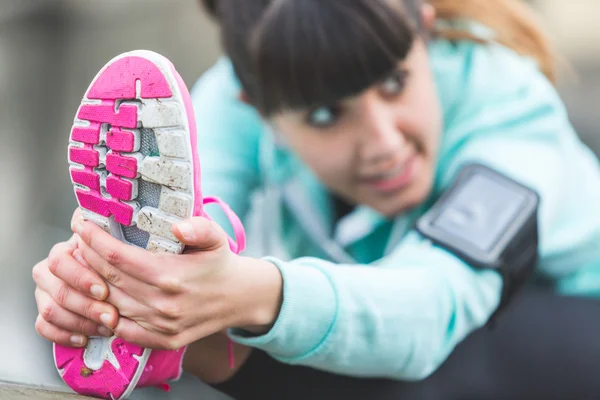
column 369, row 296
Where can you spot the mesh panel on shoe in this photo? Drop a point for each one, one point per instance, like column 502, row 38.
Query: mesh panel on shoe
column 148, row 192
column 148, row 144
column 136, row 236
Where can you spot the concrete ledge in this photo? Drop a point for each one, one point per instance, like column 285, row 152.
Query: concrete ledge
column 15, row 392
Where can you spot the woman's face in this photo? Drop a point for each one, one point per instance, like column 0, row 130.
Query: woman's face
column 378, row 148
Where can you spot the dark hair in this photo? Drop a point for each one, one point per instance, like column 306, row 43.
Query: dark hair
column 291, row 54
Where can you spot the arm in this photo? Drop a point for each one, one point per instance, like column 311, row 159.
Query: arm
column 398, row 319
column 228, row 135
column 207, row 359
column 401, row 317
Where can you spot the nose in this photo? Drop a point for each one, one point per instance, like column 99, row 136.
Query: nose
column 382, row 137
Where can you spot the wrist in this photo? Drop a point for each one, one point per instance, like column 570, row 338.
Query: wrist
column 207, row 358
column 259, row 295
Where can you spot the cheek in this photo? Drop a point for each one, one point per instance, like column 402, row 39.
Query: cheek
column 325, row 154
column 423, row 118
column 328, row 160
column 431, row 113
column 421, row 102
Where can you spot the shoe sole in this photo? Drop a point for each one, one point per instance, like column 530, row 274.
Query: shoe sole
column 136, row 104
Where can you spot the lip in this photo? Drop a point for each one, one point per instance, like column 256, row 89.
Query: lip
column 397, row 182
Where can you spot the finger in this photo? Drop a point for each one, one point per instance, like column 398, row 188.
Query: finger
column 78, row 303
column 136, row 288
column 138, row 263
column 128, row 306
column 200, row 232
column 58, row 250
column 145, row 314
column 77, row 215
column 56, row 335
column 132, row 332
column 66, row 320
column 72, row 269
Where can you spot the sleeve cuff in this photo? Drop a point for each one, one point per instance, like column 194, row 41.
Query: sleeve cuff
column 307, row 313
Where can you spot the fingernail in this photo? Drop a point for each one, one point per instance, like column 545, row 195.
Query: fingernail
column 98, row 291
column 106, row 319
column 104, row 331
column 187, row 231
column 77, row 340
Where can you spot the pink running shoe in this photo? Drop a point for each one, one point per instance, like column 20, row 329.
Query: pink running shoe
column 135, row 170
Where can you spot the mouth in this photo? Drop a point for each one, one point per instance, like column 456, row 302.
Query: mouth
column 395, row 178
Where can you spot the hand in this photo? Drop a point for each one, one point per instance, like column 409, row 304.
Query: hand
column 68, row 296
column 168, row 301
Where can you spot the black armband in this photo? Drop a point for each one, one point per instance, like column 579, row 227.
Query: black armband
column 489, row 221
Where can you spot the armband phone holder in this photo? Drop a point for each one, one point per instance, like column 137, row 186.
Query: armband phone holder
column 490, row 222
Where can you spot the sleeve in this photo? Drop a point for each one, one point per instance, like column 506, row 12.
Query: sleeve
column 402, row 316
column 228, row 140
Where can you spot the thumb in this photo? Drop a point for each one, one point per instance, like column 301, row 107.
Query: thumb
column 201, row 233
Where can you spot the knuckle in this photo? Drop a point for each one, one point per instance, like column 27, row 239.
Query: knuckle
column 170, row 283
column 85, row 326
column 53, row 263
column 169, row 309
column 47, row 312
column 37, row 270
column 87, row 309
column 166, row 326
column 112, row 256
column 112, row 275
column 79, row 278
column 39, row 321
column 62, row 294
column 41, row 327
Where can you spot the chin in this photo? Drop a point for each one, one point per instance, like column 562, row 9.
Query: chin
column 404, row 201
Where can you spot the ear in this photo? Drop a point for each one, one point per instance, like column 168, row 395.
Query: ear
column 428, row 15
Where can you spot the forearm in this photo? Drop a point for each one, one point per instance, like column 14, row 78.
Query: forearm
column 398, row 320
column 208, row 360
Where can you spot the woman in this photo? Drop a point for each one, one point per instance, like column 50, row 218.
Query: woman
column 355, row 116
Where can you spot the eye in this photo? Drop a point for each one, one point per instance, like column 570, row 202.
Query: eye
column 394, row 84
column 323, row 117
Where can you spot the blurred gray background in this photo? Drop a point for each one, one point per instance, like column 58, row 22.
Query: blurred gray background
column 51, row 49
